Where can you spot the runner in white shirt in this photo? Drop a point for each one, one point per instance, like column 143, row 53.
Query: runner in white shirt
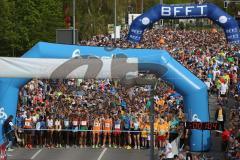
column 50, row 128
column 57, row 134
column 215, row 73
column 168, row 150
column 223, row 92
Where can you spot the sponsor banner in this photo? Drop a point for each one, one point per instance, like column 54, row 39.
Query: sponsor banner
column 87, row 68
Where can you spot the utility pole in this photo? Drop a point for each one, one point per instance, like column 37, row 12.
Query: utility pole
column 115, row 19
column 139, row 81
column 153, row 89
column 74, row 38
column 142, row 6
column 161, row 21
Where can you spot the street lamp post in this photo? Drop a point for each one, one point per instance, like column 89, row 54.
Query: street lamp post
column 140, row 82
column 115, row 19
column 152, row 92
column 74, row 23
column 161, row 21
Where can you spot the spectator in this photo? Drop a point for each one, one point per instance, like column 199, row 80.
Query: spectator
column 220, row 117
column 168, row 150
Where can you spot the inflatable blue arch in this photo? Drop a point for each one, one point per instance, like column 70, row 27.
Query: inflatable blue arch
column 193, row 90
column 183, row 11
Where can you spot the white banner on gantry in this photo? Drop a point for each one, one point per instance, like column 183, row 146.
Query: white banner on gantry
column 98, row 68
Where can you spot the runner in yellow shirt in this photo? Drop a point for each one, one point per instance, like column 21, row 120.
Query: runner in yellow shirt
column 162, row 133
column 156, row 123
column 145, row 128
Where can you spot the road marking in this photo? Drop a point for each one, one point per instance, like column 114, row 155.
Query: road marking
column 102, row 153
column 35, row 155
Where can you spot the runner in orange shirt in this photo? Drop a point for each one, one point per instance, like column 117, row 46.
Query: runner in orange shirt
column 107, row 126
column 28, row 125
column 96, row 131
column 156, row 121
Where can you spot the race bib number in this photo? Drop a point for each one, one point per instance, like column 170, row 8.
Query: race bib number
column 136, row 126
column 162, row 132
column 97, row 124
column 84, row 123
column 117, row 126
column 75, row 123
column 149, row 137
column 57, row 123
column 27, row 124
column 66, row 123
column 38, row 126
column 50, row 124
column 107, row 125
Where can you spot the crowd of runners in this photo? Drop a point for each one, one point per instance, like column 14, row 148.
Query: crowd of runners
column 95, row 113
column 104, row 113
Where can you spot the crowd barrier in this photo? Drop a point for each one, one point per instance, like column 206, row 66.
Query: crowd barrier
column 79, row 130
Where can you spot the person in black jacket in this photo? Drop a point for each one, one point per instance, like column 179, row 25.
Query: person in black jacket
column 8, row 132
column 220, row 117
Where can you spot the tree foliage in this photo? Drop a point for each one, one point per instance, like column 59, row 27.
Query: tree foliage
column 25, row 22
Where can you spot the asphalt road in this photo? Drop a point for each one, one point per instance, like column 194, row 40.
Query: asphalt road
column 78, row 154
column 107, row 153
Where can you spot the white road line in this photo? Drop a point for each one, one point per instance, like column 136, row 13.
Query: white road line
column 102, row 153
column 35, row 155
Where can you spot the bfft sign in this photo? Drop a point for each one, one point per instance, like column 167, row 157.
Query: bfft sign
column 184, row 11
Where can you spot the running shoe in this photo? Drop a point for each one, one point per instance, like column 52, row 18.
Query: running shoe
column 26, row 147
column 10, row 149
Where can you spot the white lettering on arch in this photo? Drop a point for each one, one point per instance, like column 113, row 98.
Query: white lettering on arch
column 166, row 11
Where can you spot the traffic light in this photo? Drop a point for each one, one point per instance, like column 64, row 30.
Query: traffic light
column 68, row 21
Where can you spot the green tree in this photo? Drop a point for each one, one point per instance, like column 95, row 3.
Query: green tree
column 26, row 22
column 36, row 21
column 6, row 34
